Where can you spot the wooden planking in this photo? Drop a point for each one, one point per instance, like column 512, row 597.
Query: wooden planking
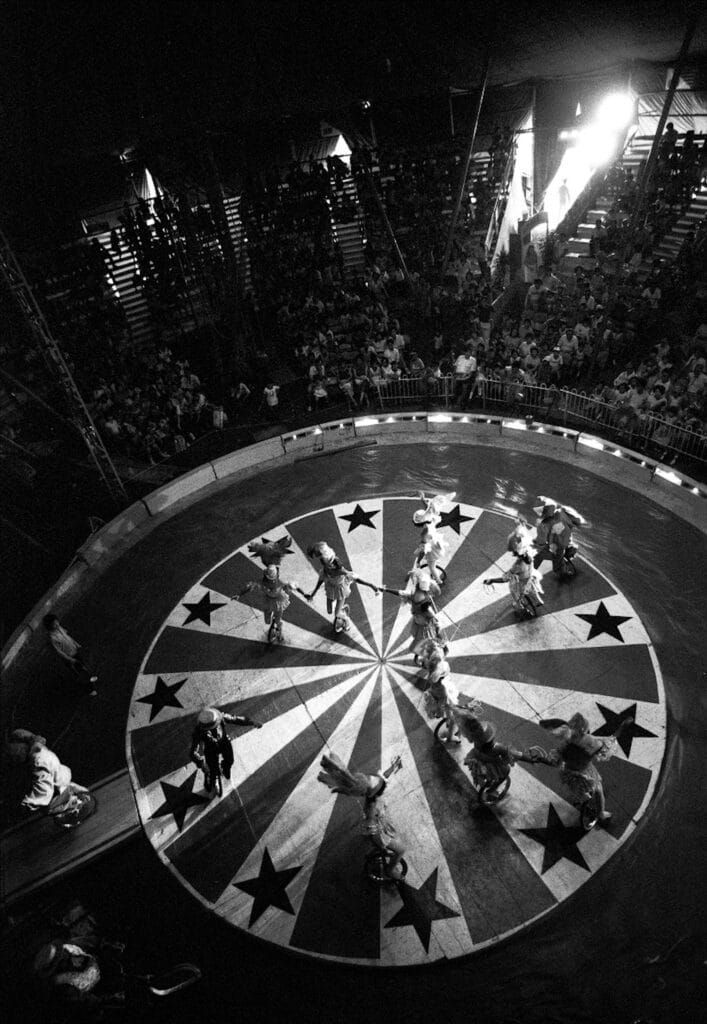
column 36, row 852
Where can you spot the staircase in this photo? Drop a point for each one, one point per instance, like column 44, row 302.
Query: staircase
column 635, row 154
column 692, row 218
column 236, row 228
column 349, row 234
column 123, row 268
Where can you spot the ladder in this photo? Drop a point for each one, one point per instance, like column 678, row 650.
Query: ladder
column 17, row 283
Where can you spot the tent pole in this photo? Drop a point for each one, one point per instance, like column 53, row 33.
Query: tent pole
column 467, row 162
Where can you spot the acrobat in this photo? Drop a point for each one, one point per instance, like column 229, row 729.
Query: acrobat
column 337, row 580
column 388, row 844
column 523, row 579
column 554, row 536
column 276, row 599
column 432, row 547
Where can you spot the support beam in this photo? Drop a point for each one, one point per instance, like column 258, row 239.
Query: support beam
column 467, row 163
column 649, row 169
column 17, row 284
column 388, row 226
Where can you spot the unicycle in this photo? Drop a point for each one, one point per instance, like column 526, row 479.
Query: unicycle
column 375, row 867
column 488, row 790
column 589, row 812
column 275, row 633
column 440, row 569
column 80, row 805
column 441, row 727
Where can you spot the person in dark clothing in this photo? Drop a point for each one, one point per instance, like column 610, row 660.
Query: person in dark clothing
column 211, row 748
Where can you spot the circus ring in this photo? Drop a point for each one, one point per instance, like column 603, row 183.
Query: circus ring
column 278, row 856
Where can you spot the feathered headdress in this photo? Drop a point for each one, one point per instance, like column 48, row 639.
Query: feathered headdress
column 430, row 513
column 271, row 552
column 340, row 779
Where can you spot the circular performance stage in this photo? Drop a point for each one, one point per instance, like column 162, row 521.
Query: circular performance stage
column 278, row 855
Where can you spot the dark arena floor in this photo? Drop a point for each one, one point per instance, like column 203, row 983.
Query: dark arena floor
column 508, row 913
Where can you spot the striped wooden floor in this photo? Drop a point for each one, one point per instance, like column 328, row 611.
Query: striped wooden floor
column 279, row 856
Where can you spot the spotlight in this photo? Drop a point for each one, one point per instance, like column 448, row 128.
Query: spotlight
column 616, row 111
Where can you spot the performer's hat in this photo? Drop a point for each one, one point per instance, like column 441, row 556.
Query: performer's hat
column 271, row 572
column 423, row 582
column 422, row 516
column 49, row 957
column 208, row 717
column 321, row 550
column 483, row 732
column 548, row 507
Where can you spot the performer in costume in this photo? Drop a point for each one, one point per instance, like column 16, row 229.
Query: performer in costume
column 523, row 579
column 211, row 749
column 337, row 580
column 554, row 535
column 49, row 785
column 419, row 593
column 488, row 761
column 441, row 696
column 376, row 823
column 271, row 552
column 576, row 756
column 276, row 599
column 432, row 547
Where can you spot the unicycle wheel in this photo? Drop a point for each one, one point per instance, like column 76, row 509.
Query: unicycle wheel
column 491, row 793
column 376, row 865
column 83, row 805
column 589, row 814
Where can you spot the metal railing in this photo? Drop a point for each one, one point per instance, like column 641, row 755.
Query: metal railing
column 553, row 404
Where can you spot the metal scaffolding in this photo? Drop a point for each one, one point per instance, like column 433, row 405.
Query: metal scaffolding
column 81, row 418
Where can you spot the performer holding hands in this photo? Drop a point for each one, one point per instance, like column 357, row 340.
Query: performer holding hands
column 337, row 580
column 276, row 599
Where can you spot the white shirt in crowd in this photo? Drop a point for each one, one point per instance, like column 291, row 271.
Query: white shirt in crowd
column 270, row 395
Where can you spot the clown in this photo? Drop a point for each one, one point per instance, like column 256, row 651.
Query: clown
column 523, row 579
column 554, row 535
column 276, row 599
column 432, row 546
column 337, row 580
column 211, row 748
column 376, row 823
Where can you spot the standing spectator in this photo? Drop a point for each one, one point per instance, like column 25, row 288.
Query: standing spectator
column 464, row 374
column 219, row 417
column 70, row 652
column 272, row 400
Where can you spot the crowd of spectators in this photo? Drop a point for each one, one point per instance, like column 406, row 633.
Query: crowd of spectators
column 608, row 329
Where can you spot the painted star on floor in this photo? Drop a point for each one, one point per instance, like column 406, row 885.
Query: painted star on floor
column 603, row 622
column 202, row 609
column 559, row 840
column 360, row 518
column 454, row 519
column 268, row 889
column 178, row 800
column 164, row 695
column 626, row 722
column 420, row 908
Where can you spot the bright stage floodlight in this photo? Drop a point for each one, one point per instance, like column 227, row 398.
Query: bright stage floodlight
column 616, row 110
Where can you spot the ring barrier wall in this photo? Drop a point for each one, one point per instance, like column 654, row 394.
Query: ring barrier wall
column 571, row 407
column 669, row 487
